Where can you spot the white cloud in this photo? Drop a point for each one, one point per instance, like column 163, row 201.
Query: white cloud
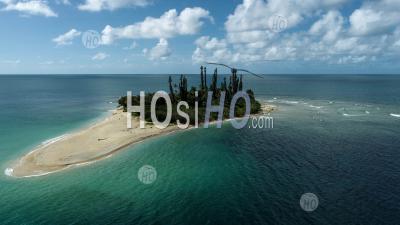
column 159, row 52
column 98, row 5
column 256, row 14
column 169, row 25
column 210, row 43
column 32, row 7
column 375, row 17
column 346, row 44
column 66, row 39
column 100, row 56
column 332, row 37
column 211, row 49
column 132, row 46
column 329, row 26
column 352, row 59
column 250, row 37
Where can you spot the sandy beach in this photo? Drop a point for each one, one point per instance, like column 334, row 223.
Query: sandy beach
column 93, row 143
column 88, row 145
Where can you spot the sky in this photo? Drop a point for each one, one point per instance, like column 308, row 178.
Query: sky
column 169, row 36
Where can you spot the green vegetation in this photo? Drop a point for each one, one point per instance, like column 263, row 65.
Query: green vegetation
column 181, row 92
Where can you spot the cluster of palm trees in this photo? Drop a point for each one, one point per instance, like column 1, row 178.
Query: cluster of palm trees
column 180, row 92
column 184, row 94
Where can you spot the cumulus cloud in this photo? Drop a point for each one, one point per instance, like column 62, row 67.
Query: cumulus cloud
column 66, row 39
column 159, row 52
column 375, row 17
column 169, row 25
column 329, row 26
column 251, row 37
column 211, row 49
column 33, row 7
column 330, row 37
column 256, row 14
column 99, row 5
column 100, row 56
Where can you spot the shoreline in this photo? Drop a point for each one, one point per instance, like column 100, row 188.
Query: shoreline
column 89, row 144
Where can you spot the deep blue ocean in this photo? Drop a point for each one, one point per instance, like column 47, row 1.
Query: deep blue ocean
column 336, row 136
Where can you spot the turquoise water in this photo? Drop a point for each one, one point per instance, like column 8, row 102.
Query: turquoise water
column 333, row 136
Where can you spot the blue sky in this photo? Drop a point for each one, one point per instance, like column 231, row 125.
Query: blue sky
column 314, row 36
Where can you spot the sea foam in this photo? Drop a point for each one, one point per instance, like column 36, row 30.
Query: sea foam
column 53, row 140
column 9, row 171
column 315, row 106
column 395, row 115
column 353, row 115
